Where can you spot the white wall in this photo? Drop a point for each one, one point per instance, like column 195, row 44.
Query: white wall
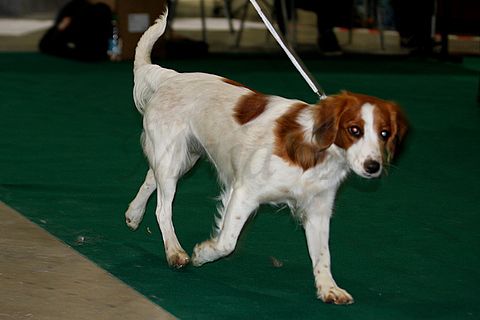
column 25, row 7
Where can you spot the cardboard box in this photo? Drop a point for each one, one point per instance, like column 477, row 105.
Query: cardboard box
column 133, row 18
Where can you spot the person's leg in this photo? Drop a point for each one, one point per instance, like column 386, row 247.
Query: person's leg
column 413, row 22
column 279, row 14
column 94, row 30
column 57, row 43
column 327, row 13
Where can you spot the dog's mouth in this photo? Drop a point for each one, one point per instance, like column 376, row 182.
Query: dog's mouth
column 370, row 169
column 369, row 175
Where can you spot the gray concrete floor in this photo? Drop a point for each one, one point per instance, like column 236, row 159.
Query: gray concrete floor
column 42, row 278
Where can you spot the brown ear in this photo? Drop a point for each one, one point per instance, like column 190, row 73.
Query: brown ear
column 300, row 152
column 327, row 118
column 399, row 130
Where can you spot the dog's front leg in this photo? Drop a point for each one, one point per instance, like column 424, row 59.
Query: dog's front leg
column 317, row 226
column 239, row 208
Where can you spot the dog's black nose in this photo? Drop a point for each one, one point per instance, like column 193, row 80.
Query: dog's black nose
column 371, row 166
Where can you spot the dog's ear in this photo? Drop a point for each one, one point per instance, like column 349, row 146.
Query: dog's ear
column 327, row 115
column 399, row 129
column 300, row 152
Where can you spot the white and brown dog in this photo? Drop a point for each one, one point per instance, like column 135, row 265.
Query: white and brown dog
column 266, row 149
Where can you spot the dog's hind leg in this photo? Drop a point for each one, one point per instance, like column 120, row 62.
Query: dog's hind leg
column 170, row 157
column 176, row 256
column 240, row 206
column 136, row 209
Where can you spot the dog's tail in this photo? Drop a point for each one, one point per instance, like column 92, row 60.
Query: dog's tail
column 148, row 76
column 148, row 39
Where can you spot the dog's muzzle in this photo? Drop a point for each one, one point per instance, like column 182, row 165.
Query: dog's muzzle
column 372, row 167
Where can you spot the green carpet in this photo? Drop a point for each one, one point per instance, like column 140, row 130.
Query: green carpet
column 405, row 246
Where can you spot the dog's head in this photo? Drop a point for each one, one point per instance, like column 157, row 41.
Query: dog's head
column 367, row 128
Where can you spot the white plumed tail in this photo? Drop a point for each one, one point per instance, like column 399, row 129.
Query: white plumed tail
column 147, row 76
column 148, row 39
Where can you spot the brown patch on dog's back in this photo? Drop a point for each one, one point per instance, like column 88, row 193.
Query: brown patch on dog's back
column 290, row 144
column 249, row 107
column 234, row 83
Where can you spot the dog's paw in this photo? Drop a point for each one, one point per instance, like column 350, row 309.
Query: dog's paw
column 335, row 295
column 197, row 257
column 132, row 224
column 178, row 260
column 203, row 252
column 133, row 217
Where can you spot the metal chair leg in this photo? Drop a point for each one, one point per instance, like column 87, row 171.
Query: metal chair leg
column 380, row 14
column 204, row 23
column 228, row 13
column 172, row 11
column 242, row 23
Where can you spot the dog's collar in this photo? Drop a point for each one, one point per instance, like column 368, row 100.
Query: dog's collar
column 321, row 96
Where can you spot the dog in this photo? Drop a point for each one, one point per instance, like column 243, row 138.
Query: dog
column 266, row 149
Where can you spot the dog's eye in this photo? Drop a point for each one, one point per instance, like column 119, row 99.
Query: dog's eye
column 385, row 134
column 355, row 131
